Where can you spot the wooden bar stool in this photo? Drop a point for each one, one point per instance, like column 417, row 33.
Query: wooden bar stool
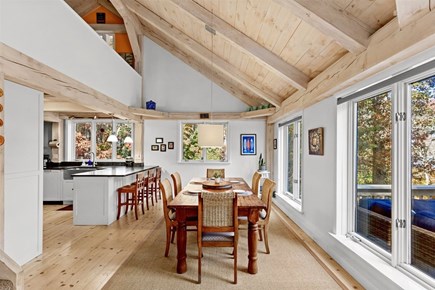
column 132, row 195
column 154, row 182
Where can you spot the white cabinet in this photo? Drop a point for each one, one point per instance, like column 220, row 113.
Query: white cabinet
column 68, row 190
column 52, row 185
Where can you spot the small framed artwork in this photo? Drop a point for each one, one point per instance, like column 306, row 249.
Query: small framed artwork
column 162, row 147
column 159, row 140
column 154, row 147
column 315, row 141
column 275, row 143
column 248, row 144
column 170, row 145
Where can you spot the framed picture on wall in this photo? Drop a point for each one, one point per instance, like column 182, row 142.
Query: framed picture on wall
column 275, row 143
column 154, row 147
column 315, row 141
column 248, row 144
column 159, row 140
column 162, row 147
column 170, row 145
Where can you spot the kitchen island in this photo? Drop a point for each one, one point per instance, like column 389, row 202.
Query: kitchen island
column 95, row 193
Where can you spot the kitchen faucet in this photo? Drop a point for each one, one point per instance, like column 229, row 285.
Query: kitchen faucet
column 94, row 163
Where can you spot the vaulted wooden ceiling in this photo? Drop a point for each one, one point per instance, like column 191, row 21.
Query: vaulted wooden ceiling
column 261, row 51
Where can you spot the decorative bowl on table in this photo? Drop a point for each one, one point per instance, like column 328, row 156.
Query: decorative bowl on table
column 211, row 184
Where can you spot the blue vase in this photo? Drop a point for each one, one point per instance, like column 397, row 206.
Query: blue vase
column 150, row 105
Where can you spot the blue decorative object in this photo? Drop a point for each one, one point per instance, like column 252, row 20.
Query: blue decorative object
column 150, row 105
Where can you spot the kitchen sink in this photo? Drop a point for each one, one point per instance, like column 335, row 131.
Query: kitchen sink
column 67, row 173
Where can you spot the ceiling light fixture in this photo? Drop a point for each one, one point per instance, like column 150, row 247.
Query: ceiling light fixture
column 211, row 135
column 112, row 138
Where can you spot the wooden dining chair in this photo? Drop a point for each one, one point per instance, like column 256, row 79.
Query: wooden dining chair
column 176, row 178
column 215, row 172
column 263, row 222
column 217, row 224
column 170, row 215
column 256, row 182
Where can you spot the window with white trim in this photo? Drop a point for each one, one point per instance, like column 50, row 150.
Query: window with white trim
column 391, row 176
column 191, row 152
column 91, row 136
column 290, row 158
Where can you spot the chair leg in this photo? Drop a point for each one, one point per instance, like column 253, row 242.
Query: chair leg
column 174, row 229
column 119, row 206
column 266, row 239
column 260, row 235
column 127, row 196
column 168, row 238
column 135, row 205
column 146, row 197
column 199, row 263
column 235, row 264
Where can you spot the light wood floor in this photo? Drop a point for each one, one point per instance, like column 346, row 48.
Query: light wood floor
column 85, row 257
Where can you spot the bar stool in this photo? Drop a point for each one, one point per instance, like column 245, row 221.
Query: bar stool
column 154, row 181
column 132, row 195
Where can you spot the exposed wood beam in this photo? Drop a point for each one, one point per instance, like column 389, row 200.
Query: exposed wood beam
column 56, row 106
column 388, row 46
column 196, row 116
column 27, row 71
column 331, row 21
column 182, row 41
column 52, row 117
column 82, row 7
column 148, row 113
column 115, row 28
column 134, row 31
column 273, row 62
column 106, row 4
column 408, row 11
column 258, row 113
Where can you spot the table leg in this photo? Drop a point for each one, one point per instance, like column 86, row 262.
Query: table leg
column 252, row 242
column 181, row 242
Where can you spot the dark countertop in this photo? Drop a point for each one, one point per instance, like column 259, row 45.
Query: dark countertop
column 115, row 171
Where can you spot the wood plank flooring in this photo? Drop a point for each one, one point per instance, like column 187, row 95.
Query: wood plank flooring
column 85, row 257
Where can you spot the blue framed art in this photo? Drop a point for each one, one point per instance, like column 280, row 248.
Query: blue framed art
column 248, row 144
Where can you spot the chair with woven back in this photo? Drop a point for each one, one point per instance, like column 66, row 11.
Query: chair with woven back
column 170, row 215
column 263, row 222
column 176, row 178
column 217, row 224
column 216, row 173
column 256, row 182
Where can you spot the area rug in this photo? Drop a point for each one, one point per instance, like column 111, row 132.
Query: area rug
column 288, row 266
column 68, row 207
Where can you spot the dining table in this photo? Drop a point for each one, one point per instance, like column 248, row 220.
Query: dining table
column 185, row 204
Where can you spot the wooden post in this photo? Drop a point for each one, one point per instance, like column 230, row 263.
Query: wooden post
column 269, row 149
column 138, row 142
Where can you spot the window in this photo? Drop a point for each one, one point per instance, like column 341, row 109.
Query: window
column 291, row 156
column 91, row 136
column 392, row 169
column 191, row 152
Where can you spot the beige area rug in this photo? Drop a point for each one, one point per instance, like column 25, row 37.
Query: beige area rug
column 288, row 266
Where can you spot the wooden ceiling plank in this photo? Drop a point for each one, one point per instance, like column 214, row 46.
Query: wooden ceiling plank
column 29, row 72
column 408, row 11
column 294, row 76
column 55, row 106
column 134, row 31
column 330, row 21
column 258, row 113
column 390, row 45
column 202, row 53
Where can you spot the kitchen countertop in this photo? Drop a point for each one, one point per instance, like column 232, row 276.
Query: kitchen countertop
column 114, row 171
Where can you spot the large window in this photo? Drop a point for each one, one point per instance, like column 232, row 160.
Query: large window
column 191, row 152
column 392, row 170
column 290, row 156
column 91, row 136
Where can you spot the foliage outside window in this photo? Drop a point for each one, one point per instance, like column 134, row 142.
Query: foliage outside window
column 376, row 183
column 91, row 136
column 191, row 152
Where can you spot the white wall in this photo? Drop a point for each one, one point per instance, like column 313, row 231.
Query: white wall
column 319, row 210
column 176, row 87
column 52, row 33
column 238, row 165
column 23, row 172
